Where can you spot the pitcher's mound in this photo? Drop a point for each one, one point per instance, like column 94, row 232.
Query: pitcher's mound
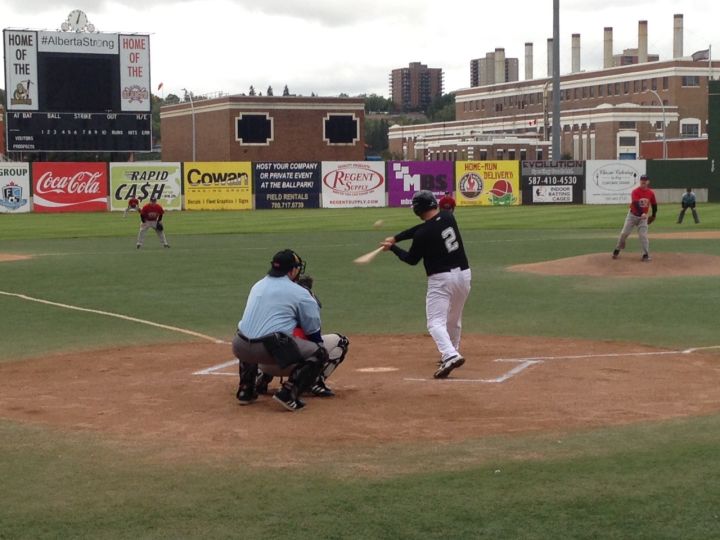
column 628, row 265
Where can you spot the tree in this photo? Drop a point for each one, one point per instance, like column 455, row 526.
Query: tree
column 269, row 91
column 376, row 135
column 441, row 109
column 375, row 103
column 286, row 91
column 251, row 92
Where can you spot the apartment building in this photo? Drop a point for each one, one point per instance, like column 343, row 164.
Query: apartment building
column 413, row 88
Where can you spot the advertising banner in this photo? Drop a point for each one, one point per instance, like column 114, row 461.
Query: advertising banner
column 552, row 182
column 353, row 184
column 134, row 72
column 404, row 178
column 216, row 185
column 286, row 185
column 21, row 70
column 69, row 187
column 143, row 181
column 14, row 188
column 487, row 183
column 610, row 182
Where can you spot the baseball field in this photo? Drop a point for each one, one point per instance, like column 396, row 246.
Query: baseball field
column 589, row 405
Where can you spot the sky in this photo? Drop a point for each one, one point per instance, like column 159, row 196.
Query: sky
column 335, row 46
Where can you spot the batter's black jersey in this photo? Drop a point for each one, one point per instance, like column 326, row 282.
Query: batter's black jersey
column 437, row 242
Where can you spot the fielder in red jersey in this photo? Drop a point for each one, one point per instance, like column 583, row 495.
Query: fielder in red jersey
column 642, row 200
column 151, row 218
column 446, row 202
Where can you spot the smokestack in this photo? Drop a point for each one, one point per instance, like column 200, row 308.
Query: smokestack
column 550, row 57
column 608, row 48
column 499, row 66
column 678, row 36
column 528, row 61
column 642, row 42
column 575, row 53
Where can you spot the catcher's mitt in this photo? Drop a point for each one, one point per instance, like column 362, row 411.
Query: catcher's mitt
column 159, row 226
column 306, row 281
column 651, row 219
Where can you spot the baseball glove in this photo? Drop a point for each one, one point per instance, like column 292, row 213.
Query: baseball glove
column 307, row 282
column 159, row 226
column 651, row 219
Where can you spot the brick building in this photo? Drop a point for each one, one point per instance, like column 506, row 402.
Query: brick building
column 604, row 114
column 413, row 88
column 493, row 69
column 264, row 128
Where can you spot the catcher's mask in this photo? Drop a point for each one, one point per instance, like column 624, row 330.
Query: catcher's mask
column 423, row 201
column 284, row 261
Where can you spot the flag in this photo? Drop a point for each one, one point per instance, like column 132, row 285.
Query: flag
column 701, row 55
column 160, row 86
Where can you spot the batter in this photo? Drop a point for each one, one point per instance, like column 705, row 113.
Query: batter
column 438, row 243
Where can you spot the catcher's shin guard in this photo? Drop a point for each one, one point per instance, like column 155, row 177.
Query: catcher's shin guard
column 337, row 347
column 304, row 376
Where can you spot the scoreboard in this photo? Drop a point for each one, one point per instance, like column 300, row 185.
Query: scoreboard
column 77, row 91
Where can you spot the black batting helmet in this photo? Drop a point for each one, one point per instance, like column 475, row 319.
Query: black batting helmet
column 423, row 201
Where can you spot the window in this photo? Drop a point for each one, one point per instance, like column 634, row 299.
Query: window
column 626, row 124
column 341, row 129
column 617, row 89
column 689, row 130
column 592, row 91
column 653, row 84
column 575, row 93
column 636, row 86
column 539, row 154
column 584, row 91
column 483, row 155
column 600, row 90
column 523, row 154
column 500, row 153
column 609, row 89
column 691, row 80
column 644, row 84
column 626, row 87
column 254, row 129
column 627, row 141
column 511, row 154
column 666, row 83
column 498, row 107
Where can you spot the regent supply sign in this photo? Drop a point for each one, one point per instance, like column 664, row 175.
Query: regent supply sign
column 353, row 184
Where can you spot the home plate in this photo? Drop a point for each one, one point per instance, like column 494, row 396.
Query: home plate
column 377, row 369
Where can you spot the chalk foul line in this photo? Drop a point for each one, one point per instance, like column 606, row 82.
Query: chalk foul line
column 117, row 316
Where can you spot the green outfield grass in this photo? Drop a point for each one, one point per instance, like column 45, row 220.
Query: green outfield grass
column 655, row 480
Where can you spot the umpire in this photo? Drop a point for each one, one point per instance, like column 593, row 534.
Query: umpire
column 275, row 306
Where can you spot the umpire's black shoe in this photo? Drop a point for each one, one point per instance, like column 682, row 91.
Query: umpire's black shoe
column 284, row 398
column 246, row 395
column 448, row 365
column 616, row 253
column 320, row 389
column 262, row 382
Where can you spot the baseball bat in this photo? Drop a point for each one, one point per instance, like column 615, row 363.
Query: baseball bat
column 364, row 259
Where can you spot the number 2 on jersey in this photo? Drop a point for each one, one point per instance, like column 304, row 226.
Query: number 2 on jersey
column 451, row 243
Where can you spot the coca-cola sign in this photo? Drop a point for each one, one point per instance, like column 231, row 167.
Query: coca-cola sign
column 70, row 187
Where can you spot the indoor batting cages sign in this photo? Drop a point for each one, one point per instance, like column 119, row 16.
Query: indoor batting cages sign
column 286, row 184
column 77, row 91
column 552, row 182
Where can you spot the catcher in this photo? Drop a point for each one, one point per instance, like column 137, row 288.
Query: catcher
column 151, row 218
column 336, row 345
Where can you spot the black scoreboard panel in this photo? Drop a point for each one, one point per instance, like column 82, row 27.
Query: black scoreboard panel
column 78, row 82
column 77, row 132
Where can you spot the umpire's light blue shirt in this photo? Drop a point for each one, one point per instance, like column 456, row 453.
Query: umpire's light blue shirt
column 277, row 304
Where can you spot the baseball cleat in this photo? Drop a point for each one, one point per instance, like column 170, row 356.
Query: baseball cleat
column 284, row 398
column 646, row 258
column 616, row 253
column 319, row 389
column 246, row 395
column 448, row 365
